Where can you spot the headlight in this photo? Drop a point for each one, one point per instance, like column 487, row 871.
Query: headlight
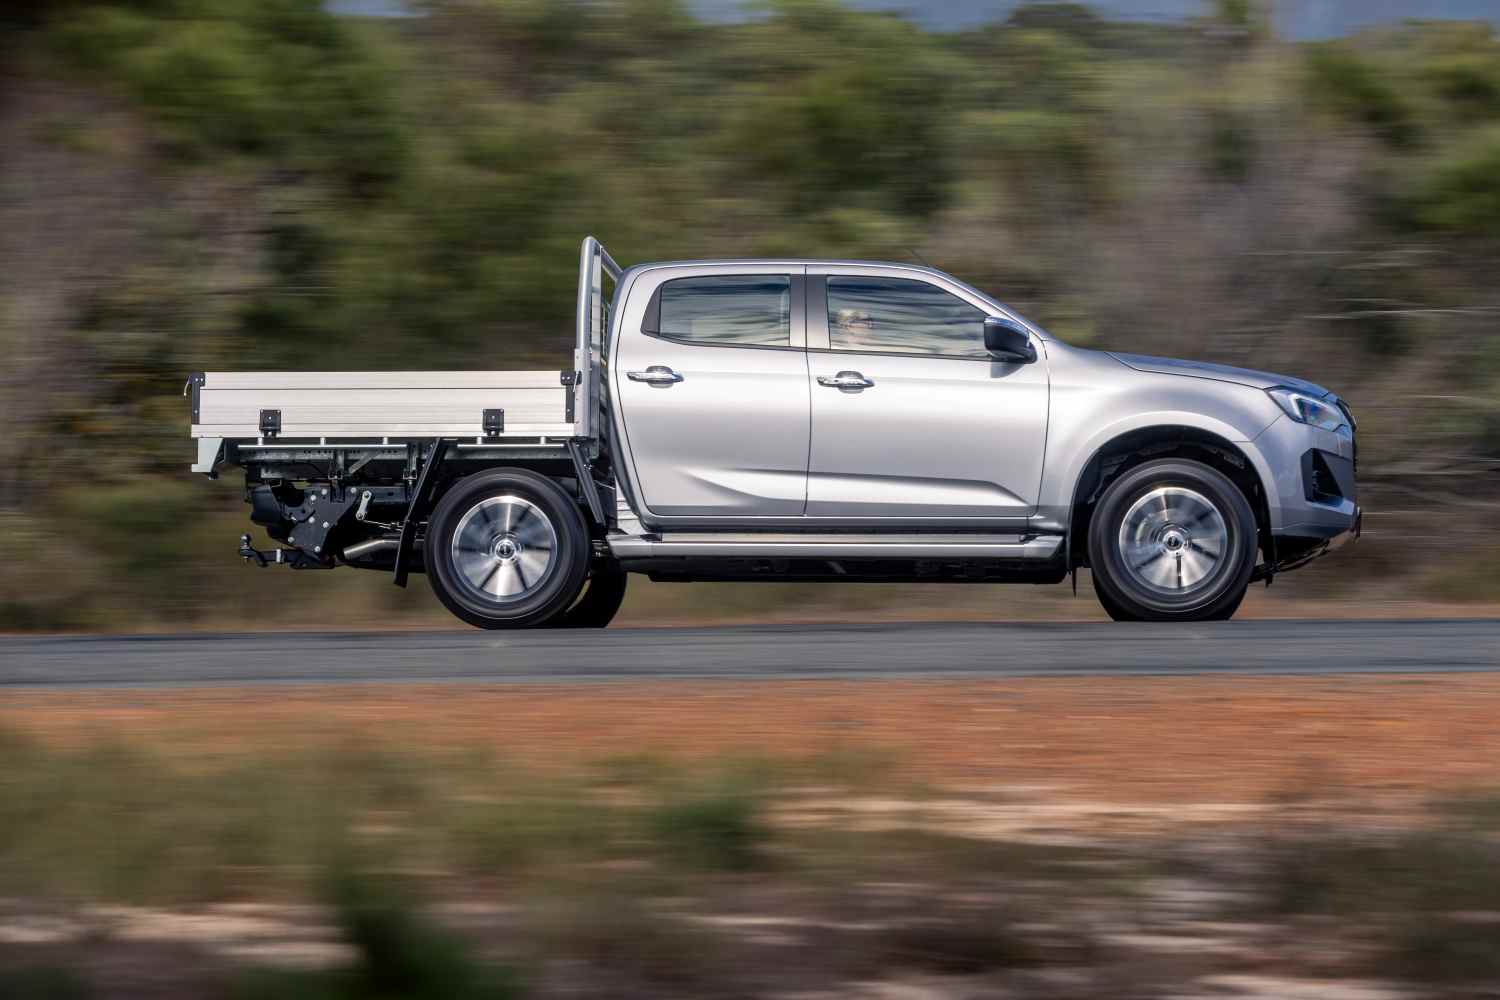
column 1306, row 410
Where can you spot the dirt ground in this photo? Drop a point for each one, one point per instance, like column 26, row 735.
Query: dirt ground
column 1194, row 768
column 1140, row 741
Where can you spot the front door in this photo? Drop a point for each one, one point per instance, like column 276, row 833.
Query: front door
column 712, row 388
column 911, row 418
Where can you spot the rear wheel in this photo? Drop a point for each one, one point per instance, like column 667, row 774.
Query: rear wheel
column 507, row 549
column 600, row 601
column 1172, row 540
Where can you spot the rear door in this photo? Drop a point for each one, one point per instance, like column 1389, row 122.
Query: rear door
column 712, row 387
column 911, row 418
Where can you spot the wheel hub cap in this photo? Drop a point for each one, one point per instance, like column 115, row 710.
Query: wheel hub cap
column 1173, row 540
column 503, row 549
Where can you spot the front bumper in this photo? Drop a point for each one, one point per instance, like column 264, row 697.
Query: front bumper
column 1296, row 551
column 1313, row 493
column 1313, row 499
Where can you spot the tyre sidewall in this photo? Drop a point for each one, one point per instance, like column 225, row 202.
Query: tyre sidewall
column 600, row 601
column 1120, row 593
column 569, row 565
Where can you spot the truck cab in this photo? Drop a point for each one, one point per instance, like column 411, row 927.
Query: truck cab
column 774, row 420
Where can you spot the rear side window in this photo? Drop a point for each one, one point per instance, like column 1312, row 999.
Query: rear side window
column 901, row 316
column 730, row 310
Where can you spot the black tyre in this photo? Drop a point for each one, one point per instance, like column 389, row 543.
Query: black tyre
column 1120, row 614
column 600, row 601
column 1172, row 540
column 1112, row 609
column 507, row 549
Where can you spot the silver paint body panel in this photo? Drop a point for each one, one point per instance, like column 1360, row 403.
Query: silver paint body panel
column 1097, row 397
column 382, row 404
column 931, row 436
column 730, row 439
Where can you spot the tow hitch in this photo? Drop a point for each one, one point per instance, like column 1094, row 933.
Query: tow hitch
column 295, row 558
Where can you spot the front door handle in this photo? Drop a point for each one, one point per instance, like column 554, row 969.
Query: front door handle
column 655, row 375
column 845, row 380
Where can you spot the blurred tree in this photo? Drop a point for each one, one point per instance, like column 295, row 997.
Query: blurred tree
column 1246, row 21
column 258, row 183
column 1346, row 82
column 1075, row 20
column 1461, row 191
column 280, row 77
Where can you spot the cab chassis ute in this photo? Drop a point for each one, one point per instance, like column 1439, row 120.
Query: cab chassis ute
column 790, row 420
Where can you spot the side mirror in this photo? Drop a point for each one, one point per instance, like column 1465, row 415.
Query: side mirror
column 1007, row 340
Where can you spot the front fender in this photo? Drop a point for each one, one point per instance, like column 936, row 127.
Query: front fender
column 1100, row 405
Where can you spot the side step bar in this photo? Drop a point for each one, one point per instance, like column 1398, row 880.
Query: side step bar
column 840, row 546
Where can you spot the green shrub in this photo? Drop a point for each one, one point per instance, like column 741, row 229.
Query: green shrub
column 1350, row 84
column 716, row 825
column 1470, row 82
column 400, row 953
column 282, row 77
column 1049, row 70
column 147, row 533
column 1461, row 190
column 866, row 120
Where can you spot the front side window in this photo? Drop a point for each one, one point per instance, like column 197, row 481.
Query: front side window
column 902, row 316
column 730, row 310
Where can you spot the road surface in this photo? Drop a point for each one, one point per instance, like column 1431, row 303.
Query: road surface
column 769, row 651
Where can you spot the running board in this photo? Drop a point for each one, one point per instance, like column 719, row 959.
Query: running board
column 839, row 546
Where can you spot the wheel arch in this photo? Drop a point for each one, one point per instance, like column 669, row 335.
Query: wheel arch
column 1128, row 449
column 561, row 471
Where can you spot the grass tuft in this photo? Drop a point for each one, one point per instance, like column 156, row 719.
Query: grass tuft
column 400, row 954
column 1431, row 896
column 717, row 825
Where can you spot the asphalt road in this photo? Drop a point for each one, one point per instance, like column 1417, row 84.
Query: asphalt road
column 769, row 651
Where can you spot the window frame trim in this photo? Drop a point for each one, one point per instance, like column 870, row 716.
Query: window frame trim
column 819, row 337
column 796, row 311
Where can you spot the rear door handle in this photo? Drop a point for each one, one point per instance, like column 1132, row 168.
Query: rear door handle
column 655, row 375
column 845, row 380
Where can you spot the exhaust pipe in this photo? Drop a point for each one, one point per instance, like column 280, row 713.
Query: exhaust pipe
column 370, row 547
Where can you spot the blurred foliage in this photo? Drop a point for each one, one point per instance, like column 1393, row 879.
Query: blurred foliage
column 717, row 824
column 275, row 77
column 1347, row 82
column 1428, row 881
column 1461, row 190
column 400, row 952
column 115, row 822
column 261, row 184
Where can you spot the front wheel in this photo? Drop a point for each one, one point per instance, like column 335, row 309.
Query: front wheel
column 1172, row 540
column 507, row 549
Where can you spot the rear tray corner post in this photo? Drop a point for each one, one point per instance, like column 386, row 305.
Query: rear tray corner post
column 417, row 509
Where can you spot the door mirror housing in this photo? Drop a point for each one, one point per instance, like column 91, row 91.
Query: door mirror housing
column 1007, row 340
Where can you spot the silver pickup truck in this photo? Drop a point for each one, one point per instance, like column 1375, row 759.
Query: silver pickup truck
column 790, row 420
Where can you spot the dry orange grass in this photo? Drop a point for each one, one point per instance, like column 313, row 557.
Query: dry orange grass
column 1200, row 739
